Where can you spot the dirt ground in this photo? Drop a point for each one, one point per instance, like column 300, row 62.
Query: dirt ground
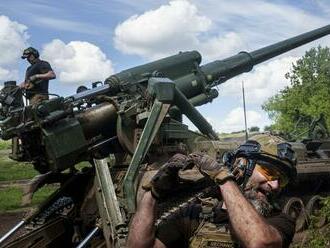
column 8, row 220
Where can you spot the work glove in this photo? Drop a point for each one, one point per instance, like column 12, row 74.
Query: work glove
column 238, row 169
column 166, row 180
column 209, row 167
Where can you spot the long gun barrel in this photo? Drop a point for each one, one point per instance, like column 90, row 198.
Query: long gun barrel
column 194, row 80
column 223, row 70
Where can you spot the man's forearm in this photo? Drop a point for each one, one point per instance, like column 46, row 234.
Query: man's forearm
column 249, row 226
column 142, row 229
column 47, row 75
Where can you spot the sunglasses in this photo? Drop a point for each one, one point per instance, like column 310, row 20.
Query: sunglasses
column 272, row 174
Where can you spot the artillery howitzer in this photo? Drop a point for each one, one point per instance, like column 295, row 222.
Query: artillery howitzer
column 135, row 117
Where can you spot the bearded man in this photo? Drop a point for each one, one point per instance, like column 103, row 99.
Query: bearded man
column 246, row 215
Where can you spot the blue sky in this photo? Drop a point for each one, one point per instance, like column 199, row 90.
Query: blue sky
column 87, row 41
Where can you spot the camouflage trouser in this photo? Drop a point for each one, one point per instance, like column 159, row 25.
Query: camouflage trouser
column 38, row 98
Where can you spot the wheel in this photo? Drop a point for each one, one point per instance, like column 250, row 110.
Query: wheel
column 313, row 208
column 295, row 209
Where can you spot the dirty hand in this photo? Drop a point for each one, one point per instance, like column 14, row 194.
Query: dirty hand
column 166, row 179
column 211, row 168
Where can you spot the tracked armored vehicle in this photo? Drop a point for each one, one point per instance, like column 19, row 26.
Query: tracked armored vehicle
column 303, row 198
column 135, row 118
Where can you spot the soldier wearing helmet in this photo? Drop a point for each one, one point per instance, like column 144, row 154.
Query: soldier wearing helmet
column 244, row 215
column 37, row 76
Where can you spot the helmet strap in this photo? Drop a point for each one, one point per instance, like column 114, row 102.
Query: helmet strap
column 251, row 164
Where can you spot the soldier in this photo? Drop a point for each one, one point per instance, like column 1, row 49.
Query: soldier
column 246, row 215
column 36, row 81
column 37, row 76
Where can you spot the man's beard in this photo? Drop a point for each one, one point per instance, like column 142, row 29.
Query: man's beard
column 261, row 204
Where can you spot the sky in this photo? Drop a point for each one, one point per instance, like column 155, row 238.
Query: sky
column 87, row 41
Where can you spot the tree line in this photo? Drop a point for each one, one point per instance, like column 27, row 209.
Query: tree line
column 305, row 103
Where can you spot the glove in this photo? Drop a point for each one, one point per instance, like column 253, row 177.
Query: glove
column 166, row 180
column 211, row 168
column 238, row 170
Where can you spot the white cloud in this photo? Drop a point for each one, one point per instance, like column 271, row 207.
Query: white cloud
column 261, row 22
column 6, row 74
column 77, row 62
column 216, row 28
column 221, row 46
column 169, row 29
column 256, row 14
column 69, row 25
column 324, row 5
column 234, row 120
column 263, row 82
column 13, row 39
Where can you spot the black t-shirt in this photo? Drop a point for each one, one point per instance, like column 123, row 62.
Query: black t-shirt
column 40, row 86
column 180, row 227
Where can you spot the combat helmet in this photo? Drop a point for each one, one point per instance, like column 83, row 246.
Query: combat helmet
column 276, row 153
column 269, row 154
column 28, row 51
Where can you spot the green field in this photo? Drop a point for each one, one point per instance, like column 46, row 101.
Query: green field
column 5, row 144
column 11, row 197
column 12, row 170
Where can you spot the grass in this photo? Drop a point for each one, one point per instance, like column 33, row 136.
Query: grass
column 316, row 237
column 11, row 197
column 235, row 135
column 5, row 144
column 12, row 170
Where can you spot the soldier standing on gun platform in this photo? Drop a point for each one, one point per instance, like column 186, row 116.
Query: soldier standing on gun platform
column 37, row 77
column 246, row 217
column 36, row 81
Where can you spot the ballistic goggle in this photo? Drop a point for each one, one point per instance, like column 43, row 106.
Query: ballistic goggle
column 280, row 167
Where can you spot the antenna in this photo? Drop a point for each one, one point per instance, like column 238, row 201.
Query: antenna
column 246, row 130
